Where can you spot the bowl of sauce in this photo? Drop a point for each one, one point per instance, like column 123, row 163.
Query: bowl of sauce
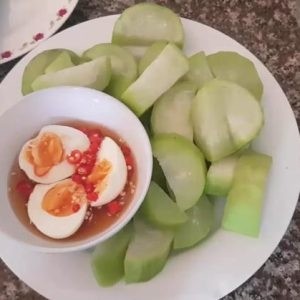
column 76, row 165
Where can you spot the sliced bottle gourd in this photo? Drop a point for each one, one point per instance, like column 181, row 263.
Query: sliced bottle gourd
column 151, row 53
column 123, row 66
column 94, row 74
column 183, row 165
column 108, row 257
column 147, row 252
column 237, row 68
column 160, row 210
column 220, row 176
column 225, row 117
column 145, row 23
column 198, row 225
column 172, row 111
column 199, row 72
column 39, row 64
column 244, row 204
column 160, row 75
column 62, row 61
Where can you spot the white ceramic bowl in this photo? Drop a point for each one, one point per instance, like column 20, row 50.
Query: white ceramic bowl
column 56, row 105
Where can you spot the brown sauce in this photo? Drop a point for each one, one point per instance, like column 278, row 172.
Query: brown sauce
column 97, row 219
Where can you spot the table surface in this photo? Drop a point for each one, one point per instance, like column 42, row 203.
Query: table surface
column 269, row 29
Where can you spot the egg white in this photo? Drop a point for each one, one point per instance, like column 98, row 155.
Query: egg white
column 117, row 176
column 53, row 226
column 71, row 139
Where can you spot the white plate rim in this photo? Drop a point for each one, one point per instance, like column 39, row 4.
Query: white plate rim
column 225, row 289
column 56, row 21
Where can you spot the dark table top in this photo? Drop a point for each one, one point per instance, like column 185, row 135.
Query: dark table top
column 269, row 29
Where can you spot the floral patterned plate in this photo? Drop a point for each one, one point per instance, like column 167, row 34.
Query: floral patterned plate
column 25, row 24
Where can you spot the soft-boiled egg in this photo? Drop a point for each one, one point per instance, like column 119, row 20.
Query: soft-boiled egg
column 109, row 174
column 58, row 209
column 43, row 158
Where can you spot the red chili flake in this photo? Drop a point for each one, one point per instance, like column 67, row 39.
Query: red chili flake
column 95, row 137
column 6, row 54
column 88, row 158
column 25, row 188
column 89, row 187
column 62, row 12
column 38, row 36
column 84, row 169
column 74, row 157
column 93, row 196
column 94, row 147
column 113, row 207
column 76, row 207
column 77, row 178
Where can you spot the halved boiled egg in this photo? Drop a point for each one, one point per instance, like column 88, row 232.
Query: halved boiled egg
column 57, row 209
column 43, row 158
column 109, row 174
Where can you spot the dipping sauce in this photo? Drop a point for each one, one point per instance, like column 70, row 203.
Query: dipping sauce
column 66, row 193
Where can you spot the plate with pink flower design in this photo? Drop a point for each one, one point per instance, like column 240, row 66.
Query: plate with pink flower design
column 25, row 24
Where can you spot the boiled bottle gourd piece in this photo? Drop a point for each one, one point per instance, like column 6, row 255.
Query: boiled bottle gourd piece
column 145, row 23
column 108, row 257
column 244, row 204
column 169, row 66
column 147, row 252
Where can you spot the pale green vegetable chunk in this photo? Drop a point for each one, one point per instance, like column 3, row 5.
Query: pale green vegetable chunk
column 172, row 111
column 38, row 65
column 235, row 67
column 147, row 252
column 243, row 209
column 123, row 66
column 160, row 210
column 95, row 74
column 145, row 23
column 160, row 75
column 183, row 165
column 108, row 257
column 220, row 176
column 152, row 52
column 199, row 72
column 198, row 225
column 225, row 117
column 61, row 62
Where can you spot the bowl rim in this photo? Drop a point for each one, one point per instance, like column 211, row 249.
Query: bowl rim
column 130, row 211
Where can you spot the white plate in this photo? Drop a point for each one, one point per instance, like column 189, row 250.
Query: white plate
column 222, row 262
column 24, row 24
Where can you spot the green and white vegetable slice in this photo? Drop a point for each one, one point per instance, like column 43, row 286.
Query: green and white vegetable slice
column 152, row 52
column 158, row 175
column 160, row 210
column 62, row 61
column 237, row 68
column 160, row 75
column 147, row 252
column 226, row 117
column 145, row 23
column 199, row 72
column 123, row 66
column 183, row 165
column 95, row 74
column 108, row 257
column 198, row 225
column 172, row 111
column 220, row 176
column 243, row 209
column 38, row 65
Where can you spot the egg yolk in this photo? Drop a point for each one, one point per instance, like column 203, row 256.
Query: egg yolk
column 45, row 152
column 64, row 199
column 99, row 174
